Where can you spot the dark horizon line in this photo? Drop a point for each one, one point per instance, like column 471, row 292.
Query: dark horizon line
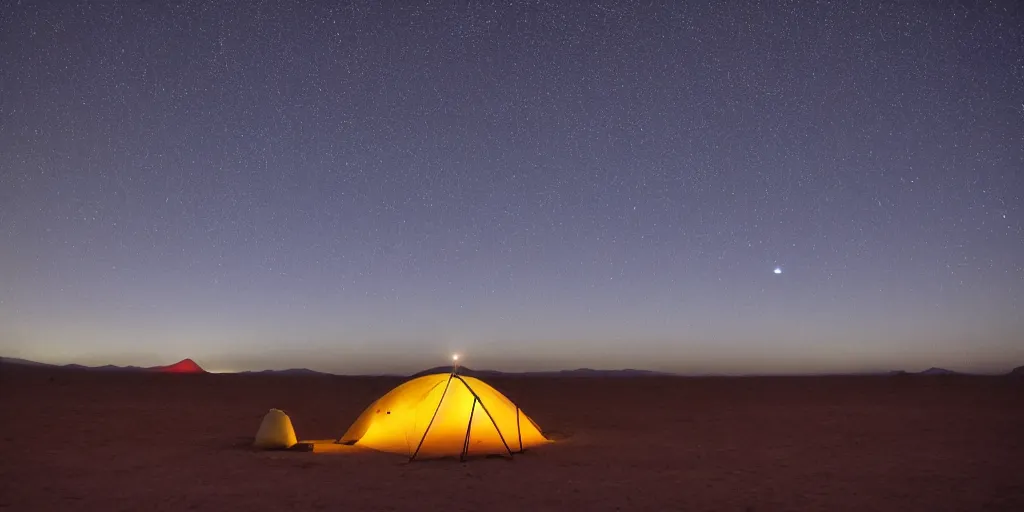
column 636, row 372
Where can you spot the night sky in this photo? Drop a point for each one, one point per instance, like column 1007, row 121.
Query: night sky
column 362, row 188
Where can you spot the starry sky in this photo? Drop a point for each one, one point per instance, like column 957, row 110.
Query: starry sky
column 367, row 187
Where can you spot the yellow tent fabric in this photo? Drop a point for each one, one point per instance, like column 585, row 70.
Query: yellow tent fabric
column 444, row 415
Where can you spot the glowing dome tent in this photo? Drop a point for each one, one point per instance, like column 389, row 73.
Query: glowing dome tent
column 444, row 415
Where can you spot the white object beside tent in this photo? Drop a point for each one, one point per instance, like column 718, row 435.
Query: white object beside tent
column 276, row 432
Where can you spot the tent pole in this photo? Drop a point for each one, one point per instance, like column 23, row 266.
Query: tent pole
column 519, row 430
column 469, row 427
column 484, row 407
column 431, row 422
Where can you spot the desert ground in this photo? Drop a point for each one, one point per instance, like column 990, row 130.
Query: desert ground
column 79, row 440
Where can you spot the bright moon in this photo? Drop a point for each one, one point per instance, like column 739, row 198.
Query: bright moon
column 778, row 270
column 455, row 357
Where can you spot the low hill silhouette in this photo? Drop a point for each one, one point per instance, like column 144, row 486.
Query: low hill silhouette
column 1017, row 372
column 183, row 366
column 937, row 371
column 21, row 362
column 290, row 371
column 579, row 372
column 113, row 368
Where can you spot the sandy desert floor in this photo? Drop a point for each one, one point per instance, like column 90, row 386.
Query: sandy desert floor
column 82, row 441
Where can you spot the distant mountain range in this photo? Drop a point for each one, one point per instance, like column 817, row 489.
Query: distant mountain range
column 185, row 366
column 188, row 366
